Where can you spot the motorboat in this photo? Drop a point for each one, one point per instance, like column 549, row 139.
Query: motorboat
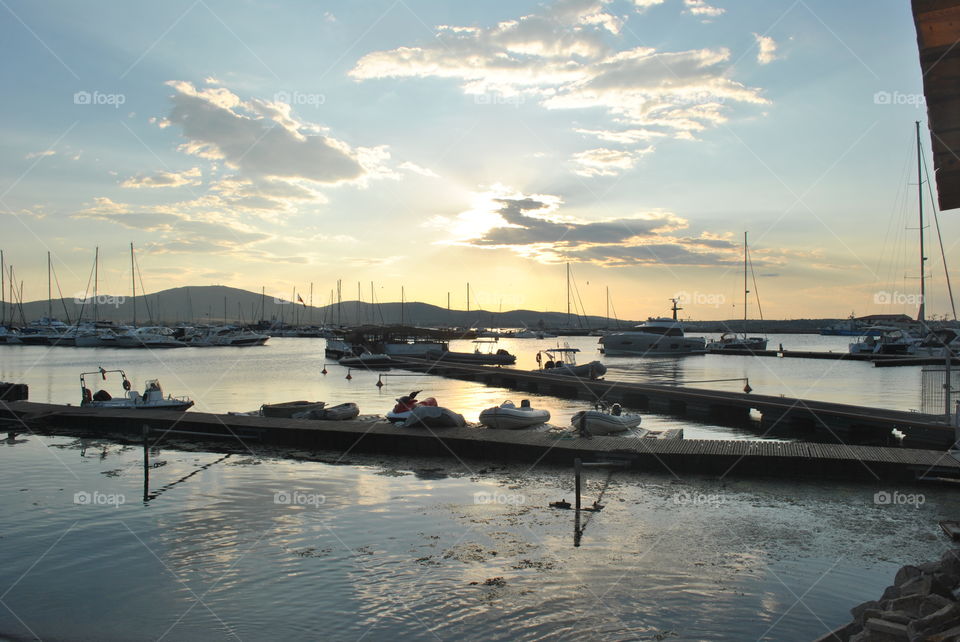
column 563, row 361
column 46, row 331
column 484, row 353
column 151, row 399
column 938, row 342
column 603, row 421
column 507, row 416
column 149, row 337
column 227, row 335
column 412, row 412
column 885, row 340
column 533, row 334
column 368, row 360
column 8, row 336
column 337, row 348
column 734, row 342
column 851, row 327
column 340, row 412
column 288, row 409
column 658, row 336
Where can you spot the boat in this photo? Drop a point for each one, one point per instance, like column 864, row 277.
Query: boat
column 149, row 337
column 527, row 333
column 483, row 354
column 657, row 336
column 368, row 360
column 151, row 399
column 507, row 416
column 424, row 416
column 8, row 336
column 287, row 409
column 340, row 412
column 851, row 327
column 563, row 361
column 227, row 335
column 732, row 340
column 884, row 340
column 604, row 421
column 938, row 342
column 337, row 348
column 405, row 404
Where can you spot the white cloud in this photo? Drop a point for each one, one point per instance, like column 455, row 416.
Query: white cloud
column 766, row 49
column 32, row 155
column 563, row 58
column 165, row 179
column 416, row 169
column 605, row 162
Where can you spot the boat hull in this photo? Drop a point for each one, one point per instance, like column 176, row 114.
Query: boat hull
column 288, row 409
column 513, row 418
column 601, row 423
column 642, row 344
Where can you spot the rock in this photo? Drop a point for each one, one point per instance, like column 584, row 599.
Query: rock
column 858, row 611
column 839, row 635
column 906, row 574
column 950, row 561
column 896, row 616
column 920, row 585
column 938, row 621
column 932, row 604
column 909, row 605
column 948, row 580
column 950, row 635
column 890, row 593
column 862, row 636
column 929, row 568
column 894, row 629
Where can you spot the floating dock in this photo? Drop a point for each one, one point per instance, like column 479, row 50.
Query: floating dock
column 786, row 416
column 879, row 360
column 375, row 435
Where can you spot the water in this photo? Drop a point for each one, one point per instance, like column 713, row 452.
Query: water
column 255, row 545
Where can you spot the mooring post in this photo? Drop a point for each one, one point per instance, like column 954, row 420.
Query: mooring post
column 577, row 468
column 146, row 463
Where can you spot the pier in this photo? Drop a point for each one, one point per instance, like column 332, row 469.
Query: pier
column 878, row 360
column 374, row 435
column 787, row 416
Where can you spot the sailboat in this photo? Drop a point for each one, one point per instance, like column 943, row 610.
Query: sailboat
column 732, row 340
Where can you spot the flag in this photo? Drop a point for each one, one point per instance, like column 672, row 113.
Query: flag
column 300, row 300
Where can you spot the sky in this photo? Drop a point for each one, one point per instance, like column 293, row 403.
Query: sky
column 424, row 145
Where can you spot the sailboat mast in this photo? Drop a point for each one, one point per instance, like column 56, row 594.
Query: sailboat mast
column 468, row 296
column 608, row 306
column 49, row 290
column 133, row 281
column 923, row 258
column 3, row 290
column 745, row 290
column 96, row 278
column 568, row 295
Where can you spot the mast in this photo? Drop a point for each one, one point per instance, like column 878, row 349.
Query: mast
column 923, row 258
column 608, row 306
column 402, row 301
column 468, row 296
column 339, row 308
column 96, row 278
column 263, row 302
column 745, row 290
column 310, row 321
column 3, row 290
column 49, row 290
column 359, row 299
column 568, row 295
column 133, row 280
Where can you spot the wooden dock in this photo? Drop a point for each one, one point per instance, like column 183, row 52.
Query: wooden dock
column 878, row 360
column 374, row 435
column 787, row 416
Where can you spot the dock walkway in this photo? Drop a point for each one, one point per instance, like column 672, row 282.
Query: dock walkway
column 671, row 457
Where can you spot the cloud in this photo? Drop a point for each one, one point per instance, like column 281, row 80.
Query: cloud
column 32, row 155
column 416, row 169
column 766, row 49
column 564, row 57
column 605, row 162
column 165, row 179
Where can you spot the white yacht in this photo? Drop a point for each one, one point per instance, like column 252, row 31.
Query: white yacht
column 149, row 337
column 885, row 340
column 656, row 337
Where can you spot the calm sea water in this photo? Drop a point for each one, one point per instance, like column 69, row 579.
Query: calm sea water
column 253, row 545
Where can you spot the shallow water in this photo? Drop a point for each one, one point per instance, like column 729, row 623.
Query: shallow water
column 252, row 545
column 378, row 548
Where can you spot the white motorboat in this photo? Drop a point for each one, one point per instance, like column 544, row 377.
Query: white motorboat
column 46, row 331
column 654, row 338
column 484, row 353
column 151, row 399
column 533, row 334
column 337, row 348
column 8, row 336
column 938, row 342
column 227, row 335
column 288, row 409
column 563, row 361
column 149, row 337
column 603, row 422
column 734, row 342
column 885, row 340
column 507, row 416
column 368, row 360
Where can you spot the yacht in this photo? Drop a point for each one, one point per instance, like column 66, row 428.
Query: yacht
column 885, row 340
column 149, row 337
column 658, row 336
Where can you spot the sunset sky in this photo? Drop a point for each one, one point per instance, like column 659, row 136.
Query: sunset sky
column 426, row 145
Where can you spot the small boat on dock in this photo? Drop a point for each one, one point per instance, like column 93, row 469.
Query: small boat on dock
column 483, row 354
column 412, row 412
column 368, row 360
column 563, row 361
column 507, row 416
column 151, row 399
column 602, row 421
column 340, row 412
column 288, row 409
